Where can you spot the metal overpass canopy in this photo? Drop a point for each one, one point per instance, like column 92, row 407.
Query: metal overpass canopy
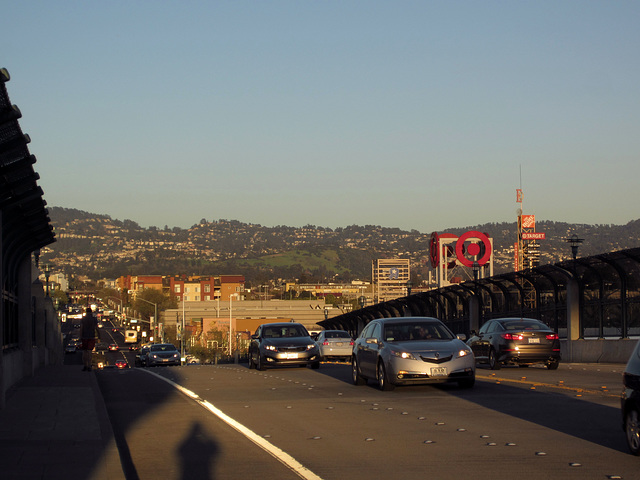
column 608, row 299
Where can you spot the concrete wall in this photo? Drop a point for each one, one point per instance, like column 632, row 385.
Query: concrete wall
column 597, row 351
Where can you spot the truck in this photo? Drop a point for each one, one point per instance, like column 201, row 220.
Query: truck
column 130, row 336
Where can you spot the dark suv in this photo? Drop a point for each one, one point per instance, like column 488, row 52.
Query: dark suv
column 631, row 401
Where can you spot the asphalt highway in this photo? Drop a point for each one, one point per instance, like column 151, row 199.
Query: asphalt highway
column 227, row 421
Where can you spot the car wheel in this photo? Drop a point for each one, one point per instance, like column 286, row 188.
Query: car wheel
column 494, row 364
column 553, row 365
column 632, row 430
column 356, row 378
column 467, row 382
column 259, row 365
column 383, row 380
column 251, row 364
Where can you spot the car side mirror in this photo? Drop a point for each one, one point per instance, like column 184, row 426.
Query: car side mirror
column 371, row 340
column 461, row 336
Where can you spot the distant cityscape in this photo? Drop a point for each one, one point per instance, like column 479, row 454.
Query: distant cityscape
column 96, row 247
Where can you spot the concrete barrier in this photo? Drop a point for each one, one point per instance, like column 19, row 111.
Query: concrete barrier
column 597, row 350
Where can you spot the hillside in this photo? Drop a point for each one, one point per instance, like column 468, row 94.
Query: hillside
column 101, row 247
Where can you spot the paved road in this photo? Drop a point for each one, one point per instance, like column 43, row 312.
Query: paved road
column 528, row 423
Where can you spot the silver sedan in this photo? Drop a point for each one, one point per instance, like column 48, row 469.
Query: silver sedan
column 411, row 351
column 335, row 344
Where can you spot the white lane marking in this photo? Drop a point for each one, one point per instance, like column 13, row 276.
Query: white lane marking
column 271, row 449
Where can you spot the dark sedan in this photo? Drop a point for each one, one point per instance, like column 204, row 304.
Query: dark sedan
column 279, row 344
column 631, row 401
column 516, row 341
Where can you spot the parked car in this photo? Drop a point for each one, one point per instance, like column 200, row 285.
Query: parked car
column 631, row 401
column 141, row 357
column 517, row 341
column 411, row 351
column 162, row 354
column 335, row 344
column 278, row 344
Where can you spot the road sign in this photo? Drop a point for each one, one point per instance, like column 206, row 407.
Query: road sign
column 533, row 235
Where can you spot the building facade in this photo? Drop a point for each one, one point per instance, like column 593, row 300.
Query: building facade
column 391, row 278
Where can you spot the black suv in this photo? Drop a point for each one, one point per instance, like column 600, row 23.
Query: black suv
column 631, row 401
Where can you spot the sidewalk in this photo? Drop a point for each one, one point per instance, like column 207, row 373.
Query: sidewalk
column 55, row 426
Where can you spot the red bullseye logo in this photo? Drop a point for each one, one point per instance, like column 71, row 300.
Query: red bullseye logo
column 473, row 249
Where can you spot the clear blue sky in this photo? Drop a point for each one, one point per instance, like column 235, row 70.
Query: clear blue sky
column 410, row 114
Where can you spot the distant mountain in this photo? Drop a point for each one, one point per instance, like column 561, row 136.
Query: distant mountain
column 101, row 247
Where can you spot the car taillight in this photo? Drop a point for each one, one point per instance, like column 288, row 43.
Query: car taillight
column 511, row 336
column 351, row 343
column 552, row 336
column 326, row 342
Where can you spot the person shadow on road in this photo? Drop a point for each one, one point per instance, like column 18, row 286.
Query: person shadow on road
column 197, row 455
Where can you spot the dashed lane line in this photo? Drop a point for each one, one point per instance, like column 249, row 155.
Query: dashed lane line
column 546, row 385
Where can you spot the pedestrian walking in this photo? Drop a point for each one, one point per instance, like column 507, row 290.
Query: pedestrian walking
column 89, row 329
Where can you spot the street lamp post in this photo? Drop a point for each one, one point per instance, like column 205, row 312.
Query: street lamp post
column 409, row 285
column 182, row 332
column 47, row 272
column 362, row 300
column 575, row 242
column 120, row 300
column 230, row 315
column 155, row 316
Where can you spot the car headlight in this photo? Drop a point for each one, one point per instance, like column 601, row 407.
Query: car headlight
column 463, row 352
column 311, row 346
column 271, row 347
column 404, row 355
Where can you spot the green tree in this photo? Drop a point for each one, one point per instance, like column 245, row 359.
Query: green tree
column 152, row 296
column 59, row 297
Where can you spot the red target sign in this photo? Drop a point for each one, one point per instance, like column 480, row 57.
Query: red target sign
column 474, row 249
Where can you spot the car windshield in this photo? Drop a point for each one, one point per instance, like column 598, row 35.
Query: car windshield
column 525, row 325
column 412, row 331
column 163, row 348
column 337, row 335
column 285, row 331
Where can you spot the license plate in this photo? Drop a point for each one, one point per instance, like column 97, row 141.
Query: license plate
column 339, row 344
column 439, row 372
column 534, row 340
column 290, row 355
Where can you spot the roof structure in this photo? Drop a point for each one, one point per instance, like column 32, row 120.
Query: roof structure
column 25, row 223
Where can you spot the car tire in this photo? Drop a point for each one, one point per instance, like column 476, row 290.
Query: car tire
column 383, row 379
column 632, row 430
column 494, row 364
column 553, row 365
column 356, row 378
column 251, row 364
column 260, row 365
